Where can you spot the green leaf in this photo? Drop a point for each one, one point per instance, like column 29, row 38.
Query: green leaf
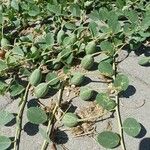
column 108, row 139
column 36, row 115
column 25, row 72
column 144, row 61
column 16, row 89
column 145, row 22
column 70, row 26
column 75, row 10
column 118, row 42
column 3, row 87
column 69, row 59
column 121, row 82
column 66, row 41
column 1, row 14
column 104, row 13
column 131, row 127
column 95, row 15
column 120, row 3
column 18, row 51
column 64, row 54
column 3, row 65
column 66, row 69
column 114, row 25
column 15, row 4
column 52, row 77
column 34, row 10
column 44, row 134
column 128, row 29
column 60, row 36
column 105, row 68
column 103, row 100
column 5, row 142
column 49, row 39
column 5, row 117
column 132, row 16
column 107, row 48
column 93, row 28
column 56, row 9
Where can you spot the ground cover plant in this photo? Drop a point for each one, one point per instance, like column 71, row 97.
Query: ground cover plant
column 52, row 44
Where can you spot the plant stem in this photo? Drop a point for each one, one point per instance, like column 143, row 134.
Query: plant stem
column 119, row 120
column 122, row 142
column 51, row 121
column 49, row 128
column 19, row 119
column 95, row 54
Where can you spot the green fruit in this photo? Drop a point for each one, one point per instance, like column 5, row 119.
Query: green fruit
column 77, row 79
column 86, row 93
column 56, row 65
column 34, row 52
column 4, row 43
column 90, row 47
column 35, row 77
column 87, row 62
column 60, row 36
column 70, row 120
column 41, row 90
column 73, row 38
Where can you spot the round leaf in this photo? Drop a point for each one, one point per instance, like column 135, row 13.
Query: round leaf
column 105, row 68
column 5, row 142
column 121, row 82
column 107, row 48
column 3, row 87
column 108, row 139
column 53, row 78
column 144, row 61
column 16, row 89
column 103, row 100
column 5, row 117
column 3, row 65
column 131, row 127
column 36, row 115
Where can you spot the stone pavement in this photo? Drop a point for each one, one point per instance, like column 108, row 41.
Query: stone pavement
column 135, row 102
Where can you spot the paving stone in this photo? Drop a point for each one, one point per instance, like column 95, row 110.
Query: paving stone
column 4, row 101
column 130, row 65
column 136, row 104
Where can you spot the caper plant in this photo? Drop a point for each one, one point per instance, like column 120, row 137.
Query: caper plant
column 41, row 41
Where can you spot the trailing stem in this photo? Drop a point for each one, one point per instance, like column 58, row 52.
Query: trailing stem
column 122, row 142
column 52, row 119
column 19, row 119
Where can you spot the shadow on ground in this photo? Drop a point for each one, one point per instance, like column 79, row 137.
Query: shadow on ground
column 33, row 103
column 60, row 137
column 142, row 132
column 145, row 144
column 12, row 122
column 31, row 129
column 131, row 90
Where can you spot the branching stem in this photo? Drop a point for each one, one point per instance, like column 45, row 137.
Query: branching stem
column 52, row 120
column 19, row 119
column 122, row 142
